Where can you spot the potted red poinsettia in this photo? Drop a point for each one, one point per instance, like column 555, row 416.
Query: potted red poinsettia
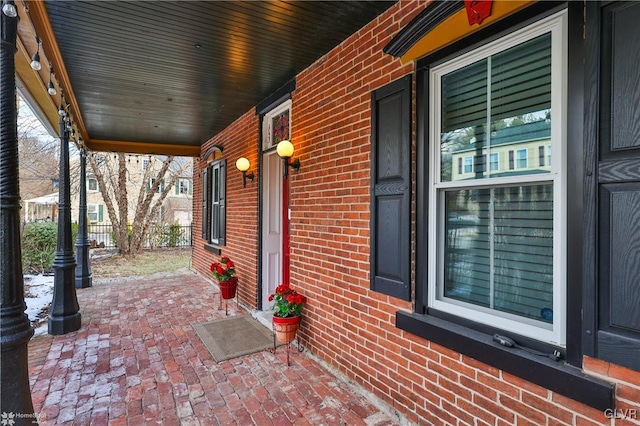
column 287, row 310
column 224, row 272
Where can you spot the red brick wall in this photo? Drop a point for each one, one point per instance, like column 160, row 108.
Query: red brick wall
column 238, row 140
column 345, row 323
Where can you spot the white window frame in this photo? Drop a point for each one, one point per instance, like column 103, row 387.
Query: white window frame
column 221, row 219
column 467, row 162
column 88, row 185
column 554, row 333
column 152, row 180
column 518, row 159
column 267, row 123
column 183, row 183
column 497, row 162
column 92, row 209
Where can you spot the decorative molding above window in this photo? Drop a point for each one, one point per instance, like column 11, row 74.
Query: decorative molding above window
column 421, row 25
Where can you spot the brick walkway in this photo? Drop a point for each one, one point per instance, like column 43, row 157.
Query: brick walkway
column 137, row 361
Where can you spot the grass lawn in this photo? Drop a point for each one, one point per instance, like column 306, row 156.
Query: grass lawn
column 147, row 263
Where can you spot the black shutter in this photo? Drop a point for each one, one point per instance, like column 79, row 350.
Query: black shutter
column 223, row 202
column 541, row 155
column 611, row 267
column 391, row 189
column 206, row 194
column 510, row 160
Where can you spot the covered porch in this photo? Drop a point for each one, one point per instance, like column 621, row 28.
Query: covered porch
column 529, row 317
column 138, row 361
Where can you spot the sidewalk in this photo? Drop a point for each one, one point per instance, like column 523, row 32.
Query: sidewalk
column 137, row 361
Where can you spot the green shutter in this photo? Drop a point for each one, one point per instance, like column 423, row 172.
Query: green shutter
column 176, row 187
column 100, row 213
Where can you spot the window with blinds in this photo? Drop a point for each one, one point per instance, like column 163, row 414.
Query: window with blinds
column 495, row 104
column 497, row 222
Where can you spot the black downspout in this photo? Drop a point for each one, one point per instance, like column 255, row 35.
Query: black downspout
column 83, row 269
column 15, row 329
column 64, row 316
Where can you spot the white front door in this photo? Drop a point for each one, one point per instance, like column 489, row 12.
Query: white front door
column 271, row 225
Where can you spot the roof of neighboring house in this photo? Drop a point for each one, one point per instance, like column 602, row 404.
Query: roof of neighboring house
column 527, row 132
column 48, row 199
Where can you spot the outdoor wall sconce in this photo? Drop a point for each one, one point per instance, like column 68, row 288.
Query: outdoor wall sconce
column 285, row 151
column 243, row 165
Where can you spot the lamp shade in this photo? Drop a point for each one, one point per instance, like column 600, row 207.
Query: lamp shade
column 243, row 164
column 285, row 149
column 9, row 9
column 35, row 62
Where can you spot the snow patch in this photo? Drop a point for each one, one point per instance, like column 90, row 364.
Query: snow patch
column 38, row 294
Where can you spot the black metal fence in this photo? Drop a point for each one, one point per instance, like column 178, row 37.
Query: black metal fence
column 167, row 235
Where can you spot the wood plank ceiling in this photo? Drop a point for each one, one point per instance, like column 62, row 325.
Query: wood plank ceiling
column 178, row 72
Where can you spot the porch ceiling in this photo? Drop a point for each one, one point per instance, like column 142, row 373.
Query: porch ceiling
column 165, row 76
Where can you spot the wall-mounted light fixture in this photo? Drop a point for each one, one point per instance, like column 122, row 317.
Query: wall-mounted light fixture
column 35, row 61
column 243, row 165
column 285, row 151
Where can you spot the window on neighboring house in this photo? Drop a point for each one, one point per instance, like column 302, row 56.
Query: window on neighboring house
column 150, row 185
column 145, row 164
column 183, row 186
column 468, row 164
column 521, row 158
column 95, row 212
column 92, row 184
column 498, row 250
column 55, row 183
column 494, row 159
column 214, row 203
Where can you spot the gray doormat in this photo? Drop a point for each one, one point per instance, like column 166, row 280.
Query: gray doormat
column 232, row 337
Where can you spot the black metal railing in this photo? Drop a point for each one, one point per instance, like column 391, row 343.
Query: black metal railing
column 159, row 236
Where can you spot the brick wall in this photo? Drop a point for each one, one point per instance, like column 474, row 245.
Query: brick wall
column 345, row 323
column 238, row 140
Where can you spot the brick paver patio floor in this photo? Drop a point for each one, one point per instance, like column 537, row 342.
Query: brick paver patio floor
column 137, row 361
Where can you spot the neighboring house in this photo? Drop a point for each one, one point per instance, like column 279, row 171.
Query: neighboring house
column 423, row 259
column 176, row 208
column 513, row 150
column 40, row 209
column 38, row 178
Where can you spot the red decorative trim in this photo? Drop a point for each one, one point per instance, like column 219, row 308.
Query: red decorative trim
column 478, row 10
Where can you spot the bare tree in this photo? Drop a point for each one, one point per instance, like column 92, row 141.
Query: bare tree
column 38, row 157
column 114, row 181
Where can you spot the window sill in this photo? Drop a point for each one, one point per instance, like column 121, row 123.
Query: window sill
column 213, row 248
column 553, row 375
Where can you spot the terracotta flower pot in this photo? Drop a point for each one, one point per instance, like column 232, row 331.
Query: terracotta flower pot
column 286, row 328
column 228, row 288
